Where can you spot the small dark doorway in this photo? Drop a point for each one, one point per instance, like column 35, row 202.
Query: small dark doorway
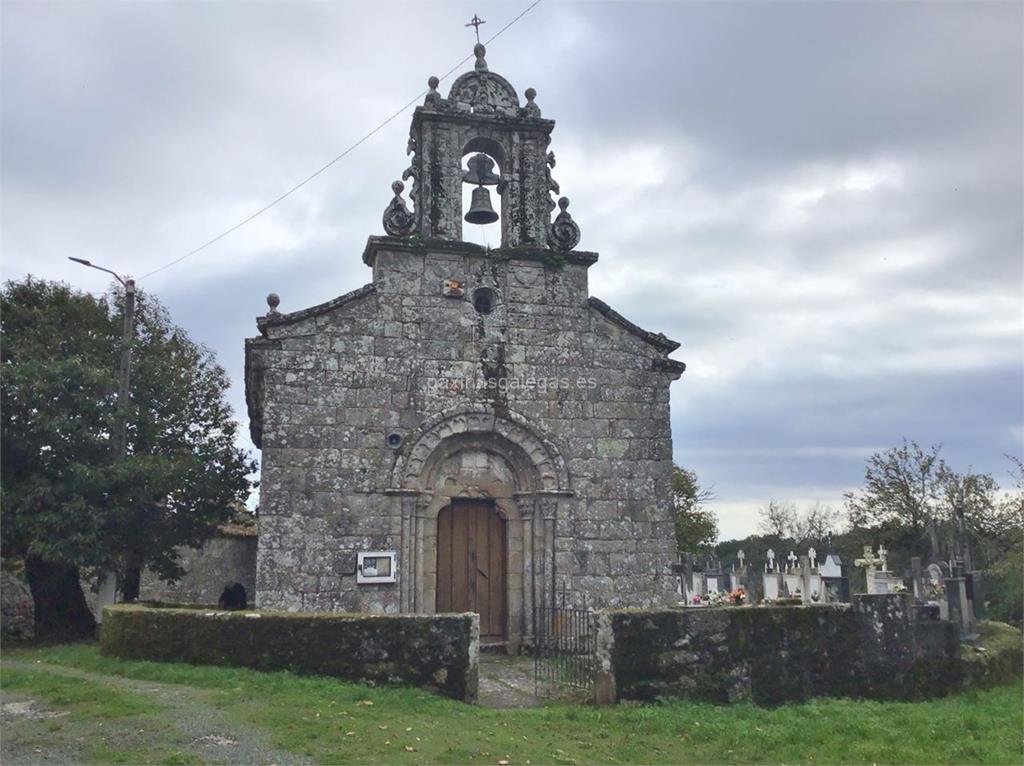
column 471, row 566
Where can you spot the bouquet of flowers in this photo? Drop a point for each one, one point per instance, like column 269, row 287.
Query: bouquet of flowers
column 715, row 598
column 738, row 596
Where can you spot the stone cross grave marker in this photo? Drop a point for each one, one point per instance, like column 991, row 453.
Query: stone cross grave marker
column 792, row 559
column 770, row 566
column 812, row 557
column 916, row 576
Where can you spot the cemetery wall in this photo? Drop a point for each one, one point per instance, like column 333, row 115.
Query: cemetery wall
column 438, row 653
column 873, row 648
column 227, row 557
column 996, row 657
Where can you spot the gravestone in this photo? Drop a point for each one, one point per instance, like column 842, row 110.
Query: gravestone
column 792, row 578
column 916, row 575
column 714, row 578
column 976, row 593
column 771, row 581
column 836, row 585
column 812, row 584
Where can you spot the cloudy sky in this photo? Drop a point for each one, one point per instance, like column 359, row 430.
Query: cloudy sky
column 821, row 202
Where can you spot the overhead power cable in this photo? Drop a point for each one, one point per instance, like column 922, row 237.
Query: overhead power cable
column 341, row 156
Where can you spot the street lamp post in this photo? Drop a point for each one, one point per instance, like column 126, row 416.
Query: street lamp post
column 125, row 370
column 108, row 582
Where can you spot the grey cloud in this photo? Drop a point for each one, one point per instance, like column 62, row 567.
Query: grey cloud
column 133, row 132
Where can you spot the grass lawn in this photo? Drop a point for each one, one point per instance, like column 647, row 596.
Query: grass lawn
column 329, row 721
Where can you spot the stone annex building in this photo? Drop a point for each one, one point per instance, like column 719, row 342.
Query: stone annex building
column 470, row 431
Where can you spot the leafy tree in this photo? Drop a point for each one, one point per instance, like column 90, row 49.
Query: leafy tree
column 903, row 487
column 696, row 526
column 69, row 503
column 1002, row 547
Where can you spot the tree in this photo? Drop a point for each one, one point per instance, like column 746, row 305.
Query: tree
column 1003, row 547
column 903, row 488
column 68, row 502
column 777, row 519
column 696, row 526
column 812, row 527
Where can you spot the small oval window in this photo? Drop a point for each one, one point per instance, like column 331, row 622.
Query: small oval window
column 484, row 300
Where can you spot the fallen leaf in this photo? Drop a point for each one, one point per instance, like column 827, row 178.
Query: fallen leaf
column 349, row 733
column 502, row 763
column 365, row 702
column 410, row 749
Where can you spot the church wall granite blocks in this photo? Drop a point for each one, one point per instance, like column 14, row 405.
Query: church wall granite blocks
column 471, row 431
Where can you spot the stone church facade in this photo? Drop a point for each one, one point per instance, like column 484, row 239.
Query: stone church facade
column 470, row 431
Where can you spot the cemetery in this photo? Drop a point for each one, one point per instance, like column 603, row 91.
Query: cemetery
column 783, row 631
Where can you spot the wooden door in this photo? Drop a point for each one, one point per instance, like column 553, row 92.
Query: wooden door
column 471, row 570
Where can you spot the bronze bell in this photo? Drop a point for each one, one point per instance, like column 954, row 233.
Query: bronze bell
column 480, row 211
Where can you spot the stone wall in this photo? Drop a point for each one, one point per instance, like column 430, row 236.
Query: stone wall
column 580, row 469
column 872, row 648
column 438, row 653
column 225, row 558
column 17, row 610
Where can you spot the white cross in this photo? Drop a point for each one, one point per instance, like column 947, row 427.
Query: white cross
column 881, row 555
column 771, row 560
column 812, row 556
column 791, row 558
column 741, row 555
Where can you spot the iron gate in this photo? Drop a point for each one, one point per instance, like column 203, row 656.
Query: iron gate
column 563, row 648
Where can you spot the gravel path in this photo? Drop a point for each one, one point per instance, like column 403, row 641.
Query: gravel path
column 507, row 682
column 186, row 722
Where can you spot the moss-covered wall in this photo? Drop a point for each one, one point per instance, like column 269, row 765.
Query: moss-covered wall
column 436, row 652
column 872, row 648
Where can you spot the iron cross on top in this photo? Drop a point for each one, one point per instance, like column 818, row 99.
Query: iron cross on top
column 475, row 22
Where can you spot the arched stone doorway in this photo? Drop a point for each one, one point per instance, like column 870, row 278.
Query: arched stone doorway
column 497, row 476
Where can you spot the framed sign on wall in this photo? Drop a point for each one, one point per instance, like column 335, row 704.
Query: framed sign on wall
column 376, row 566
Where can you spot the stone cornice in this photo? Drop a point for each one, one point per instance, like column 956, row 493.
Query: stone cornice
column 276, row 319
column 447, row 113
column 656, row 339
column 419, row 246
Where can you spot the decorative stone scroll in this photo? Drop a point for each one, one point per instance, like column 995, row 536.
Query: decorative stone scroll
column 482, row 91
column 563, row 234
column 398, row 221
